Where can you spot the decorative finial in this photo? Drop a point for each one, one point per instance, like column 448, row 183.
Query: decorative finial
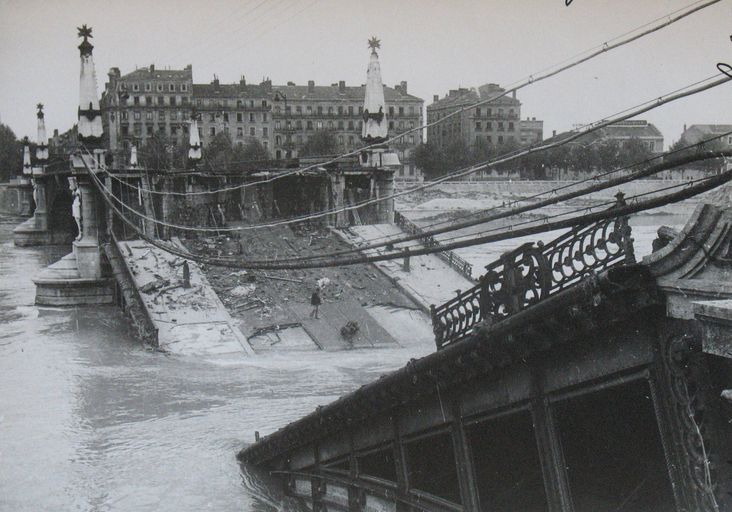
column 85, row 47
column 374, row 43
column 40, row 107
column 84, row 31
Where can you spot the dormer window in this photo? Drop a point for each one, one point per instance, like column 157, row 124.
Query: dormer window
column 171, row 87
column 135, row 87
column 148, row 86
column 183, row 87
column 160, row 87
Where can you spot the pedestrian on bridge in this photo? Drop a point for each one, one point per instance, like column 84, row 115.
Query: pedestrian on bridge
column 315, row 301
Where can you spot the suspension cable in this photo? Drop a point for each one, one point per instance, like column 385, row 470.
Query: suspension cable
column 595, row 51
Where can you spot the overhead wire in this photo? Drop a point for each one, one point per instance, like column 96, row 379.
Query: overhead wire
column 628, row 113
column 701, row 186
column 604, row 48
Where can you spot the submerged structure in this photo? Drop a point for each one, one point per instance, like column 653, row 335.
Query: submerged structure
column 571, row 378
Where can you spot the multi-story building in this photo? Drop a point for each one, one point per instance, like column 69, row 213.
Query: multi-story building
column 281, row 117
column 699, row 132
column 640, row 129
column 144, row 102
column 243, row 111
column 301, row 110
column 496, row 123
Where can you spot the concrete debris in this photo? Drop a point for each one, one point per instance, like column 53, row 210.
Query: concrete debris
column 243, row 290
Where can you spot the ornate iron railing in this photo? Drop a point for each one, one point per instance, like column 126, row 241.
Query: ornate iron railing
column 452, row 259
column 531, row 273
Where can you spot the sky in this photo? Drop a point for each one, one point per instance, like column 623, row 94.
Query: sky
column 433, row 45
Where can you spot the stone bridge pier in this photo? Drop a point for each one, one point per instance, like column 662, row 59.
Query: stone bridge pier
column 50, row 223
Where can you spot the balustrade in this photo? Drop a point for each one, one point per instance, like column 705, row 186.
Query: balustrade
column 531, row 273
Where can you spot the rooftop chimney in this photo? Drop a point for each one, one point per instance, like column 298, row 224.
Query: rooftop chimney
column 311, row 85
column 435, row 98
column 554, row 133
column 513, row 94
column 404, row 86
column 243, row 81
column 290, row 84
column 215, row 81
column 152, row 68
column 342, row 86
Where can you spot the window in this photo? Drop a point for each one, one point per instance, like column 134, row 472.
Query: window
column 138, row 130
column 350, row 125
column 330, row 111
column 350, row 110
column 391, row 111
column 401, row 111
column 212, row 131
column 320, row 110
column 149, row 115
column 298, row 124
column 136, row 100
column 379, row 464
column 264, row 103
column 612, row 450
column 350, row 140
column 411, row 110
column 298, row 109
column 330, row 125
column 252, row 131
column 340, row 125
column 500, row 139
column 277, row 125
column 298, row 139
column 500, row 126
column 310, row 109
column 320, row 125
column 488, row 126
column 431, row 466
column 411, row 139
column 510, row 126
column 136, row 115
column 174, row 130
column 478, row 126
column 172, row 101
column 340, row 140
column 264, row 117
column 161, row 115
column 391, row 125
column 278, row 140
column 159, row 87
column 183, row 87
column 251, row 117
column 135, row 87
column 212, row 118
column 171, row 87
column 226, row 117
column 489, row 112
column 310, row 125
column 239, row 117
column 340, row 110
column 161, row 101
column 265, row 131
column 266, row 145
column 125, row 115
column 125, row 129
column 239, row 131
column 148, row 86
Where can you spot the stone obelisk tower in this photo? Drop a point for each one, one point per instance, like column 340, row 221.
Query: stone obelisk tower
column 375, row 133
column 39, row 182
column 194, row 141
column 89, row 158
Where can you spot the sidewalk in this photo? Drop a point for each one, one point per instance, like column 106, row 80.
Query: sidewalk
column 429, row 280
column 189, row 321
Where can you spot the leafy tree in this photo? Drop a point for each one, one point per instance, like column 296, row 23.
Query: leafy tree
column 321, row 143
column 161, row 153
column 11, row 154
column 428, row 158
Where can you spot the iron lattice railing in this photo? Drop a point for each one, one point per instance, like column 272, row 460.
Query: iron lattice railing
column 530, row 273
column 452, row 259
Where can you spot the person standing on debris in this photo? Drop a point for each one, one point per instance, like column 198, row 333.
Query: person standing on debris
column 315, row 301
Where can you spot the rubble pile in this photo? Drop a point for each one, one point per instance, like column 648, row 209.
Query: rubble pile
column 264, row 294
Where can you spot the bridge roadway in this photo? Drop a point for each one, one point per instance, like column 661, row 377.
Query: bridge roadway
column 586, row 400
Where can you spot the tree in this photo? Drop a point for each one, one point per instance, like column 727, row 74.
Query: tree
column 160, row 153
column 321, row 143
column 248, row 156
column 11, row 154
column 428, row 158
column 633, row 151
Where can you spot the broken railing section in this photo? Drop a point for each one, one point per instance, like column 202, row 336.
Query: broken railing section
column 532, row 272
column 449, row 257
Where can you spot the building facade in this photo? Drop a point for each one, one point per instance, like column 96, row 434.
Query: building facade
column 281, row 117
column 698, row 132
column 639, row 129
column 496, row 123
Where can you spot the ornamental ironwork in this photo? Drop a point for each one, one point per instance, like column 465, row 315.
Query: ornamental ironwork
column 531, row 273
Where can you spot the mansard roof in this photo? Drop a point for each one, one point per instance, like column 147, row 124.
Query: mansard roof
column 335, row 93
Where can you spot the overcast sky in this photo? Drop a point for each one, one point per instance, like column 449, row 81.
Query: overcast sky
column 434, row 45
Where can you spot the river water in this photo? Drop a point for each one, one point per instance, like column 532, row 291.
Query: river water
column 92, row 421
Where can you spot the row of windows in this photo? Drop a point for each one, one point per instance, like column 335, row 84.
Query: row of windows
column 500, row 139
column 159, row 87
column 160, row 101
column 479, row 112
column 149, row 115
column 489, row 126
column 140, row 130
column 239, row 131
column 223, row 102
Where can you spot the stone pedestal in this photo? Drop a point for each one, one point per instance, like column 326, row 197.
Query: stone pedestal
column 25, row 195
column 385, row 187
column 338, row 192
column 41, row 212
column 87, row 250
